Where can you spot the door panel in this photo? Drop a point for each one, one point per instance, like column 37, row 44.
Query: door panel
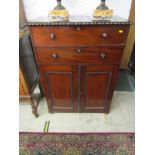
column 95, row 86
column 61, row 93
column 61, row 87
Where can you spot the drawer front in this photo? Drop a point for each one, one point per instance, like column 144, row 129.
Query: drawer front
column 78, row 55
column 56, row 35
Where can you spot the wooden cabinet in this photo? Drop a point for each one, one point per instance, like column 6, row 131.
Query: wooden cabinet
column 78, row 62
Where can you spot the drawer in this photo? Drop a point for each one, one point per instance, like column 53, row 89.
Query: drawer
column 56, row 35
column 78, row 55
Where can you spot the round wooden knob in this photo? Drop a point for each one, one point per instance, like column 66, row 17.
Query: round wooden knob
column 103, row 56
column 78, row 50
column 54, row 56
column 52, row 35
column 105, row 35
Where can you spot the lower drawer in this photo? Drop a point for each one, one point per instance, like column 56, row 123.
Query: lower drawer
column 78, row 55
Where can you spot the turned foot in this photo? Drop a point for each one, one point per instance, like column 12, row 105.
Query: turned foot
column 35, row 113
column 34, row 107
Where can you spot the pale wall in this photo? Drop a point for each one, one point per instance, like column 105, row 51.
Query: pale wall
column 36, row 8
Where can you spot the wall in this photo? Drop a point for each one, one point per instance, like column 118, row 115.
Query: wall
column 36, row 8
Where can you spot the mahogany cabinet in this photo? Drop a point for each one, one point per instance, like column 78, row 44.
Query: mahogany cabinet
column 78, row 61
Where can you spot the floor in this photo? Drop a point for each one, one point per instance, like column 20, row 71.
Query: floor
column 125, row 82
column 120, row 119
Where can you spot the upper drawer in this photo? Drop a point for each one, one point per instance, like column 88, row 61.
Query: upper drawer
column 78, row 55
column 56, row 35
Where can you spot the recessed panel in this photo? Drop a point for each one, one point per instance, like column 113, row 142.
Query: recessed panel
column 96, row 89
column 60, row 89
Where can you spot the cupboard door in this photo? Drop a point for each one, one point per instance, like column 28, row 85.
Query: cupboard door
column 60, row 86
column 96, row 87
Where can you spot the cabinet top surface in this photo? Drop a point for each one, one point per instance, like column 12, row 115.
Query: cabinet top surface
column 78, row 20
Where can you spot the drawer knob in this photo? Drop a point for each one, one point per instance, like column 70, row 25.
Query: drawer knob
column 54, row 56
column 105, row 35
column 103, row 56
column 78, row 50
column 52, row 35
column 78, row 28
